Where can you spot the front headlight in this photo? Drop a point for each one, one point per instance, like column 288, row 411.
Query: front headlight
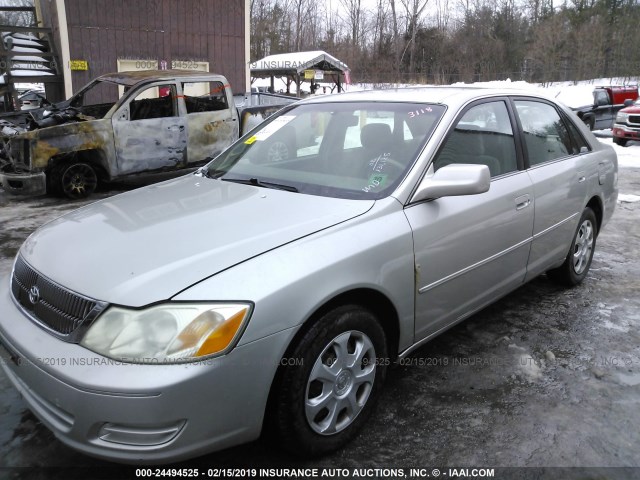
column 172, row 332
column 622, row 117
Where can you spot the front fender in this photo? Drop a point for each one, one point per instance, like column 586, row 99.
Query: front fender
column 61, row 140
column 289, row 284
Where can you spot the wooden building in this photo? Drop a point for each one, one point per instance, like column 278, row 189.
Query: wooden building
column 94, row 37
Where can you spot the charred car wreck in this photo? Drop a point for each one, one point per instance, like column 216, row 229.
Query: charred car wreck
column 119, row 125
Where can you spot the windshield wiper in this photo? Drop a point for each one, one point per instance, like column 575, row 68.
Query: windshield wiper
column 260, row 183
column 209, row 173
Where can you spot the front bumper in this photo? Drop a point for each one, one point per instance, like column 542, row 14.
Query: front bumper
column 24, row 183
column 137, row 413
column 624, row 131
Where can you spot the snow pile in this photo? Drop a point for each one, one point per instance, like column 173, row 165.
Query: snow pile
column 628, row 198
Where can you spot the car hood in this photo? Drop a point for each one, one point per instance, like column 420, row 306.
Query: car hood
column 633, row 109
column 147, row 245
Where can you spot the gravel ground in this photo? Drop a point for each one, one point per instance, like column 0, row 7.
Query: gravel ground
column 546, row 377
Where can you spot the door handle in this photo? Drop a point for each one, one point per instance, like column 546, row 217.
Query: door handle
column 523, row 201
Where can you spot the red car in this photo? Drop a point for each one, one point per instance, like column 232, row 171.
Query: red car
column 627, row 125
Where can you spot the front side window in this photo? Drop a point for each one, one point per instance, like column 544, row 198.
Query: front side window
column 154, row 102
column 483, row 136
column 578, row 141
column 345, row 150
column 545, row 134
column 601, row 97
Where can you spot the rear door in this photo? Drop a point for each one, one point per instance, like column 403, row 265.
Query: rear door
column 558, row 163
column 469, row 250
column 212, row 119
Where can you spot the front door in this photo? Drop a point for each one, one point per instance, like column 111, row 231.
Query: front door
column 471, row 249
column 149, row 133
column 603, row 106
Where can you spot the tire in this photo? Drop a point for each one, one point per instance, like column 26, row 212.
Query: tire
column 576, row 265
column 319, row 408
column 620, row 141
column 75, row 180
column 589, row 122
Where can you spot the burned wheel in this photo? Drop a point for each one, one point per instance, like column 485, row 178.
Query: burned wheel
column 77, row 180
column 326, row 395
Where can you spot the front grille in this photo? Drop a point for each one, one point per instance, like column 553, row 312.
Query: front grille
column 51, row 305
column 634, row 118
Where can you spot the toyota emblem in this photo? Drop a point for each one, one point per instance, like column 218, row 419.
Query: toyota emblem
column 34, row 294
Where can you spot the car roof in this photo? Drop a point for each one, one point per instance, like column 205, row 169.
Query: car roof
column 134, row 77
column 447, row 95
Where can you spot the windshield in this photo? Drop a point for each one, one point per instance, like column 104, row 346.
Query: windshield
column 344, row 150
column 97, row 98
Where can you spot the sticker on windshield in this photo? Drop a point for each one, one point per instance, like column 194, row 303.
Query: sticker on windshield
column 375, row 181
column 250, row 140
column 273, row 127
column 420, row 111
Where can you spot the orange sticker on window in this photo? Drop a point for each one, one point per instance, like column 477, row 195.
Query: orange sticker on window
column 250, row 140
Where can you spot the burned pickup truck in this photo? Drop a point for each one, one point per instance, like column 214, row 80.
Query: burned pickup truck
column 120, row 125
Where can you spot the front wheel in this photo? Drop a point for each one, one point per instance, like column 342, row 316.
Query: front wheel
column 620, row 141
column 326, row 396
column 77, row 180
column 576, row 265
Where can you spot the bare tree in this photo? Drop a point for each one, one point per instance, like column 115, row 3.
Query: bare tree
column 354, row 20
column 396, row 39
column 413, row 9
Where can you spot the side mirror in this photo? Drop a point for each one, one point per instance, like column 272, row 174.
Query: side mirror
column 454, row 180
column 628, row 102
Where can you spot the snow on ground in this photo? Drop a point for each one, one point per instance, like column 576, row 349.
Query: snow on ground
column 628, row 156
column 627, row 198
column 572, row 94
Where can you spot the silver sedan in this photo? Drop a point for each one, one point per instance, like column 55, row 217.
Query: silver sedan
column 272, row 289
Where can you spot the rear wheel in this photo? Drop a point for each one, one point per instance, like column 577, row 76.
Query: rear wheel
column 620, row 141
column 327, row 395
column 76, row 180
column 589, row 122
column 576, row 265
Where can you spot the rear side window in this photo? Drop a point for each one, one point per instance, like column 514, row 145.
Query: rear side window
column 546, row 136
column 204, row 96
column 482, row 136
column 579, row 143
